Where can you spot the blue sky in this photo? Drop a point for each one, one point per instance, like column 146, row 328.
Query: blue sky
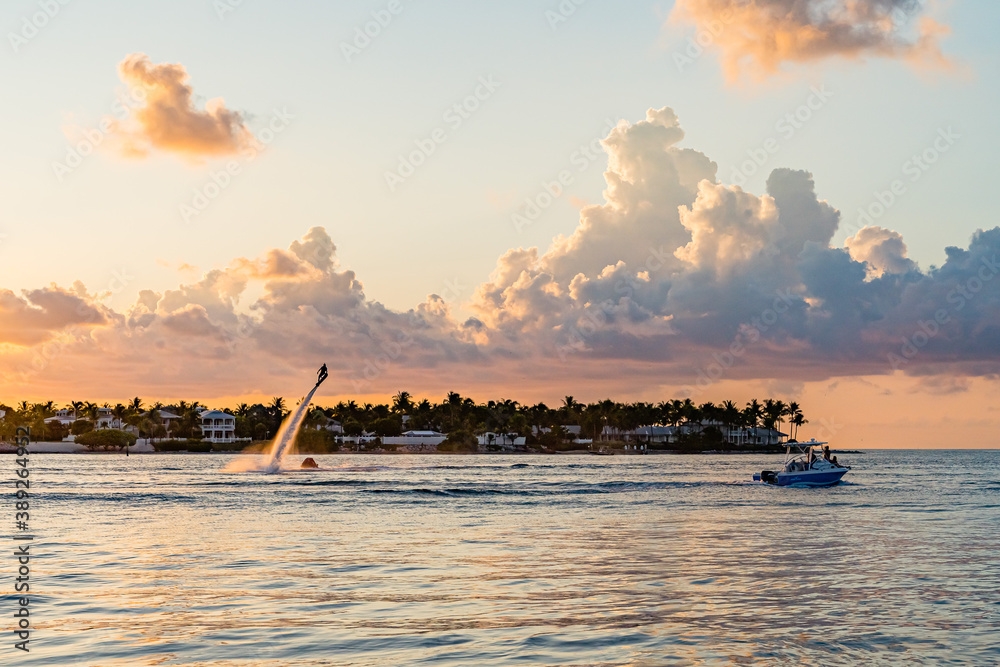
column 452, row 219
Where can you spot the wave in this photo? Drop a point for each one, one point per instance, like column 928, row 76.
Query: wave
column 541, row 489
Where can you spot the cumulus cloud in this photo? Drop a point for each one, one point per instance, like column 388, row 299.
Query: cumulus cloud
column 168, row 119
column 205, row 335
column 883, row 250
column 675, row 277
column 675, row 268
column 37, row 315
column 756, row 38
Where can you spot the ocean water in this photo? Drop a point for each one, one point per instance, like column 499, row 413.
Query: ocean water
column 511, row 560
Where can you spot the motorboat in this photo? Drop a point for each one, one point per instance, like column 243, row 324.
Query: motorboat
column 806, row 464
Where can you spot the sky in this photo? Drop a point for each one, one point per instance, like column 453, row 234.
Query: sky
column 207, row 199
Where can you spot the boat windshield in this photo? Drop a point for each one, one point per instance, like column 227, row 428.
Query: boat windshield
column 801, row 456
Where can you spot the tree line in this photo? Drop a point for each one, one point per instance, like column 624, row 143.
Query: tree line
column 454, row 413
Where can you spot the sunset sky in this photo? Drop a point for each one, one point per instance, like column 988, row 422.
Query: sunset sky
column 708, row 198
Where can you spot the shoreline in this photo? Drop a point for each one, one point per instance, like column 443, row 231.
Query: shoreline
column 147, row 450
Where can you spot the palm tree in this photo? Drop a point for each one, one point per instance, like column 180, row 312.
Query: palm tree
column 676, row 413
column 751, row 416
column 796, row 418
column 152, row 419
column 277, row 407
column 690, row 412
column 454, row 401
column 570, row 409
column 730, row 415
column 189, row 418
column 781, row 410
column 773, row 412
column 119, row 412
column 663, row 413
column 402, row 402
column 315, row 418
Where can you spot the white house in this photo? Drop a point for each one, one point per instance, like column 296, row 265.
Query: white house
column 755, row 436
column 167, row 418
column 331, row 425
column 506, row 441
column 105, row 419
column 660, row 434
column 218, row 427
column 670, row 434
column 64, row 417
column 417, row 441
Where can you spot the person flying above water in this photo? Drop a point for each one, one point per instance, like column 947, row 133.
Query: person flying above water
column 321, row 374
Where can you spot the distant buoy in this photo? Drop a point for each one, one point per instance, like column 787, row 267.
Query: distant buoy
column 309, row 463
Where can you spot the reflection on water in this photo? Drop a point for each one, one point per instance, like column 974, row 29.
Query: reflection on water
column 500, row 560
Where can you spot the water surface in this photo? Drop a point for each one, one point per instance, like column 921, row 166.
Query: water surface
column 514, row 560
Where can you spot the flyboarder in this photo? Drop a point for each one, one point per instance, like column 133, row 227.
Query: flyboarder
column 321, row 375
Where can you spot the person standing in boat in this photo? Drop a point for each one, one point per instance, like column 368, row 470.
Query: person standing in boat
column 826, row 452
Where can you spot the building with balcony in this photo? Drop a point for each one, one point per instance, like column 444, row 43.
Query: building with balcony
column 218, row 427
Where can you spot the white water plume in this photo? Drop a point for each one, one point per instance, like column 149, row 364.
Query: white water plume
column 288, row 431
column 286, row 436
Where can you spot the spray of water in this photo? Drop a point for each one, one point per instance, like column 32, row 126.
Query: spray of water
column 286, row 436
column 288, row 431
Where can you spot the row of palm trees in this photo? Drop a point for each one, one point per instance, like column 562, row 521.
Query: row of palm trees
column 454, row 412
column 505, row 415
column 86, row 416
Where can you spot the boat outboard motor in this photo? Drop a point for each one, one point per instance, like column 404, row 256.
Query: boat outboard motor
column 766, row 476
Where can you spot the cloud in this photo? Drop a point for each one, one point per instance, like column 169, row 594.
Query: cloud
column 757, row 38
column 674, row 278
column 39, row 314
column 203, row 335
column 883, row 250
column 168, row 120
column 676, row 269
column 942, row 385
